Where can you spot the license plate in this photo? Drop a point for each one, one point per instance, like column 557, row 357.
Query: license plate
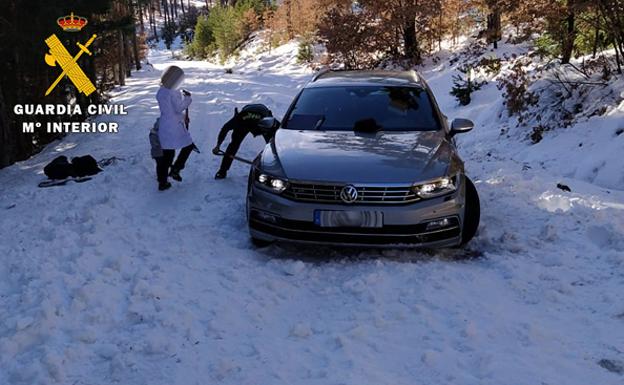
column 369, row 219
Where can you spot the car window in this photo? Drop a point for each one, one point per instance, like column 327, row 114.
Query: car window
column 389, row 108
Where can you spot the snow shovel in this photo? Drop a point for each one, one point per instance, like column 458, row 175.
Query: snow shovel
column 186, row 123
column 221, row 153
column 63, row 182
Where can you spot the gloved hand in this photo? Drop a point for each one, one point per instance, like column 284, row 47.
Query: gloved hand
column 216, row 150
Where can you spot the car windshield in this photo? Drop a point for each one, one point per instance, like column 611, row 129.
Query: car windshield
column 363, row 108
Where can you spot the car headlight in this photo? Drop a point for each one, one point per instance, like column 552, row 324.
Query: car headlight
column 437, row 187
column 271, row 183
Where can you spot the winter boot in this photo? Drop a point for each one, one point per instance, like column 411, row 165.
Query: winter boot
column 221, row 174
column 164, row 186
column 175, row 174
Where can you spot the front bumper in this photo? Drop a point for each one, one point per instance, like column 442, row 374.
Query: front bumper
column 275, row 218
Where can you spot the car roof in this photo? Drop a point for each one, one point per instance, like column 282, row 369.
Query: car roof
column 366, row 78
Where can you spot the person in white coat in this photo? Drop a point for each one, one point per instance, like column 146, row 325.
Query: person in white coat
column 173, row 128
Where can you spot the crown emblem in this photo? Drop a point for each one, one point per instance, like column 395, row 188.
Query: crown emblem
column 71, row 23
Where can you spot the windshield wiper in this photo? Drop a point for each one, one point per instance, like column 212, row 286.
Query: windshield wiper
column 319, row 123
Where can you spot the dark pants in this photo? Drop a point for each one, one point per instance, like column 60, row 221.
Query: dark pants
column 165, row 162
column 237, row 139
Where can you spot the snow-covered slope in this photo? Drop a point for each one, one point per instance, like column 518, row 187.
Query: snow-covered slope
column 110, row 281
column 589, row 148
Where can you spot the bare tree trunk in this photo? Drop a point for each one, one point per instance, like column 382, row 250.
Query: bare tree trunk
column 127, row 56
column 494, row 29
column 121, row 62
column 289, row 26
column 7, row 143
column 166, row 11
column 135, row 52
column 618, row 60
column 613, row 14
column 135, row 44
column 24, row 146
column 410, row 41
column 91, row 71
column 141, row 19
column 440, row 26
column 153, row 21
column 570, row 35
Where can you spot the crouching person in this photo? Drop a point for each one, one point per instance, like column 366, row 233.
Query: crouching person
column 173, row 131
column 243, row 123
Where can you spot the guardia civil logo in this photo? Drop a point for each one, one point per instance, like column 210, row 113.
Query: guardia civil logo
column 60, row 56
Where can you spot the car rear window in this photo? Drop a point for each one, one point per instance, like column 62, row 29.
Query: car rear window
column 388, row 108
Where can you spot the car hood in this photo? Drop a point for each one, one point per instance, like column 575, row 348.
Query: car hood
column 349, row 157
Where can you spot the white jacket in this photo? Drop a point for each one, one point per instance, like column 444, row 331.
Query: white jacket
column 172, row 131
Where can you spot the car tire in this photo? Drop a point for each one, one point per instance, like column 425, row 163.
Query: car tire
column 260, row 243
column 472, row 213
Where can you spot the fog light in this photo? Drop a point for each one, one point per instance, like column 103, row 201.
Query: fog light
column 438, row 224
column 266, row 217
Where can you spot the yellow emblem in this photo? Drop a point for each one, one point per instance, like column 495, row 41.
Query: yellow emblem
column 71, row 23
column 59, row 55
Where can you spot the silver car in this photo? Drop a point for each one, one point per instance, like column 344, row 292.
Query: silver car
column 363, row 158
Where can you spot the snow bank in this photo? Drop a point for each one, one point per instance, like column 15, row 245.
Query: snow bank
column 585, row 147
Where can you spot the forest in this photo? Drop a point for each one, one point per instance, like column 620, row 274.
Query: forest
column 356, row 34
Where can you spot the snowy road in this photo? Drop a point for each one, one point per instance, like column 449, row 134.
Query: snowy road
column 111, row 281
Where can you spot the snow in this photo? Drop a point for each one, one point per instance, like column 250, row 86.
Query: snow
column 588, row 150
column 111, row 281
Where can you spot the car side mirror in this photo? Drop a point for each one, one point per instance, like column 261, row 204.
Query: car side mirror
column 268, row 123
column 460, row 126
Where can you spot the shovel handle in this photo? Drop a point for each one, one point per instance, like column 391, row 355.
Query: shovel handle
column 221, row 153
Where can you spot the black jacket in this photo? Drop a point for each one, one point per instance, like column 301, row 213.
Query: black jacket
column 245, row 121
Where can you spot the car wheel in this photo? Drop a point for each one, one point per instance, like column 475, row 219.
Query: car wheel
column 472, row 213
column 260, row 243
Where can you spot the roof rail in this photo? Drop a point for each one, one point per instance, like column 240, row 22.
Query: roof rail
column 415, row 76
column 320, row 73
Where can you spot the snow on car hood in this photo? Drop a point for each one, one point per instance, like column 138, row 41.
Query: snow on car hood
column 349, row 157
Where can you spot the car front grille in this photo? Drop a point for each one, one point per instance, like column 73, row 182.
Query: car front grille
column 330, row 193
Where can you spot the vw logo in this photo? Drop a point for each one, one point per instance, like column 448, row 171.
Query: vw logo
column 349, row 194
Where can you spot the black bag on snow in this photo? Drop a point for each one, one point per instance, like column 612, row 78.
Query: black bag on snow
column 59, row 168
column 85, row 165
